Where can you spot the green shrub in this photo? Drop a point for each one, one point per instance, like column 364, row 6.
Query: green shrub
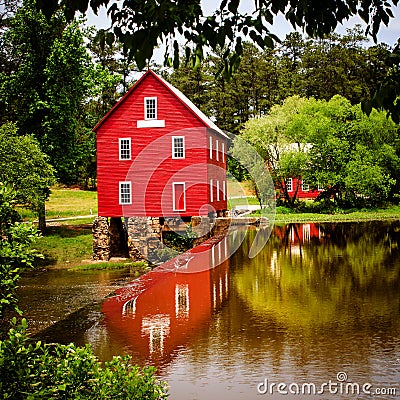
column 283, row 210
column 53, row 371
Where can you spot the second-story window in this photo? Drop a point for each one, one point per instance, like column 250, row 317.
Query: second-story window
column 305, row 187
column 289, row 185
column 125, row 148
column 178, row 147
column 150, row 108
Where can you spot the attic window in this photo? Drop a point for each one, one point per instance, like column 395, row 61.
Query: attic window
column 150, row 108
column 150, row 115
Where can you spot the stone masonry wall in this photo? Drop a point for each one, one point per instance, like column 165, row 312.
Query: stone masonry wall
column 101, row 239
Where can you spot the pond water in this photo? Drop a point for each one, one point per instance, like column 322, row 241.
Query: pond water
column 316, row 314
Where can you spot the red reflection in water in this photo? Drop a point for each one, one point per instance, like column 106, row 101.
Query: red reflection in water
column 160, row 311
column 298, row 233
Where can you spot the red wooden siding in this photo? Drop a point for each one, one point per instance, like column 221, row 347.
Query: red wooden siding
column 302, row 194
column 152, row 170
column 217, row 165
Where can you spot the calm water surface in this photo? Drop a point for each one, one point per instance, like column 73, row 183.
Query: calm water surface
column 319, row 305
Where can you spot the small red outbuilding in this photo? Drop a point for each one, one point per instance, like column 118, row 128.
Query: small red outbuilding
column 159, row 155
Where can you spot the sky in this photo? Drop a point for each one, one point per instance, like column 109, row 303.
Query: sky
column 281, row 27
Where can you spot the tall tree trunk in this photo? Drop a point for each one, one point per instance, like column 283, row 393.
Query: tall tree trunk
column 42, row 217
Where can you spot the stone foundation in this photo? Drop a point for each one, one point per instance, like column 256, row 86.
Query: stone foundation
column 144, row 238
column 140, row 238
column 101, row 239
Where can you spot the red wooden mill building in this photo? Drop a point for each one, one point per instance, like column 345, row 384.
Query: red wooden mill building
column 159, row 156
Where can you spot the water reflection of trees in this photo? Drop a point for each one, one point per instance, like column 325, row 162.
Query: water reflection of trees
column 340, row 274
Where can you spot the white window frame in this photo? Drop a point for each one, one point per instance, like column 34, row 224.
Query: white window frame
column 128, row 149
column 289, row 184
column 174, row 156
column 211, row 191
column 305, row 187
column 224, row 189
column 320, row 188
column 217, row 190
column 223, row 151
column 121, row 183
column 211, row 147
column 173, row 196
column 146, row 110
column 217, row 150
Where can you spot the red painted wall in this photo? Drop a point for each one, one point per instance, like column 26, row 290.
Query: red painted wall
column 302, row 194
column 152, row 170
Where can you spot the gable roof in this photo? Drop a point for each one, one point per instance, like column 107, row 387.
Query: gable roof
column 177, row 93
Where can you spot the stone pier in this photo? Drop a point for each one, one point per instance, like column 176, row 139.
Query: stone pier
column 140, row 238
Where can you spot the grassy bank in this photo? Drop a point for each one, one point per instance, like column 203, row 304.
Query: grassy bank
column 340, row 216
column 65, row 246
column 67, row 203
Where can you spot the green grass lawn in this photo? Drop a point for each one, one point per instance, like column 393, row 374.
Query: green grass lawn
column 392, row 212
column 65, row 246
column 66, row 203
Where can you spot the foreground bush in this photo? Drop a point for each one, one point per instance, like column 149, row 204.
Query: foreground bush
column 53, row 371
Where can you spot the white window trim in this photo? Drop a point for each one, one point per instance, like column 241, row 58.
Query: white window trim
column 173, row 147
column 145, row 109
column 151, row 123
column 211, row 191
column 130, row 149
column 217, row 150
column 130, row 192
column 211, row 147
column 223, row 151
column 173, row 196
column 287, row 184
column 224, row 189
column 305, row 187
column 217, row 190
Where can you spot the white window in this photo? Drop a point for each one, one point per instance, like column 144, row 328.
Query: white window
column 178, row 147
column 211, row 191
column 211, row 147
column 125, row 193
column 217, row 150
column 224, row 189
column 320, row 188
column 125, row 148
column 306, row 232
column 181, row 300
column 217, row 190
column 289, row 184
column 179, row 196
column 223, row 151
column 150, row 108
column 305, row 187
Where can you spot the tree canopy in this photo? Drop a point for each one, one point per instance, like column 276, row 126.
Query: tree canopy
column 143, row 25
column 330, row 144
column 26, row 169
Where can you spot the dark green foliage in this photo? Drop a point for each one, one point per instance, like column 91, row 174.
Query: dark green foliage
column 15, row 252
column 34, row 370
column 25, row 167
column 140, row 25
column 45, row 86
